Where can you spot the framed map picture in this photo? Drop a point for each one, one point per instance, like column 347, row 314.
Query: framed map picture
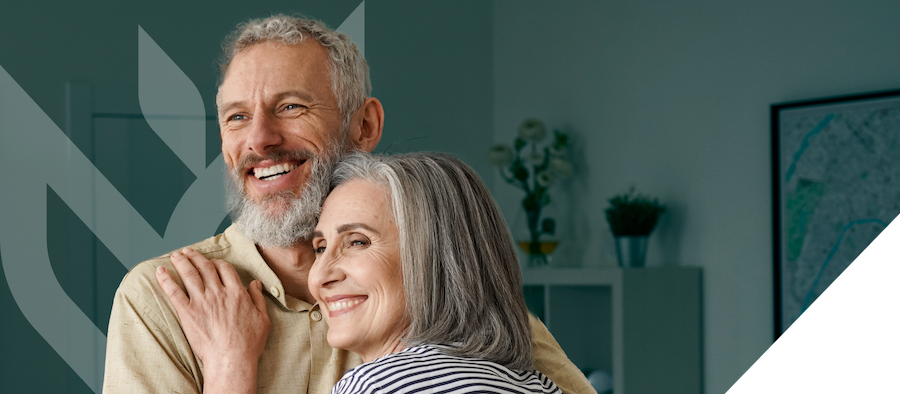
column 836, row 184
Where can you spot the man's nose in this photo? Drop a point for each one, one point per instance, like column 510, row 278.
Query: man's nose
column 264, row 134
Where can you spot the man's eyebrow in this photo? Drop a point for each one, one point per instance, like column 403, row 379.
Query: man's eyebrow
column 228, row 106
column 293, row 93
column 225, row 107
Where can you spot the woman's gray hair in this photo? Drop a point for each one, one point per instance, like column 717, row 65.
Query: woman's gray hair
column 461, row 275
column 348, row 70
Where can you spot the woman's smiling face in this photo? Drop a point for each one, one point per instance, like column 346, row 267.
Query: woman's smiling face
column 356, row 277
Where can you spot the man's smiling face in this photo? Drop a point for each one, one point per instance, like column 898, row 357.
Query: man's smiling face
column 276, row 111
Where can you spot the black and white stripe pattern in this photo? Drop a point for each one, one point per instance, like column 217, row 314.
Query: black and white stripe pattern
column 425, row 369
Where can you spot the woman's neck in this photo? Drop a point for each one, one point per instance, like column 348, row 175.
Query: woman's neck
column 394, row 345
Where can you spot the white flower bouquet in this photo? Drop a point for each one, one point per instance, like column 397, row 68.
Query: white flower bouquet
column 534, row 169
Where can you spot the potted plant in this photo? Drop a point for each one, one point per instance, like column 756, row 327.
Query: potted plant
column 632, row 217
column 534, row 168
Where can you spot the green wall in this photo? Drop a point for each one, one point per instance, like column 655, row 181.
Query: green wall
column 673, row 98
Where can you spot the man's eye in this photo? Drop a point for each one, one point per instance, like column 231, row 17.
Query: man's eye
column 290, row 107
column 237, row 117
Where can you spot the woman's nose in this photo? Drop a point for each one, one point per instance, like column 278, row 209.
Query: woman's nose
column 326, row 271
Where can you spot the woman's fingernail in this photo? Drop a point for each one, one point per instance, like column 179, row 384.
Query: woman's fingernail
column 160, row 270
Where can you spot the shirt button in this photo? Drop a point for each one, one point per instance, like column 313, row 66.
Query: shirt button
column 316, row 315
column 274, row 291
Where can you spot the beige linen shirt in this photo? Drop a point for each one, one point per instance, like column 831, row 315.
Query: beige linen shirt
column 147, row 351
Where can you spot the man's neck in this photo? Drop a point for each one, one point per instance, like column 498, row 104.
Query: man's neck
column 291, row 266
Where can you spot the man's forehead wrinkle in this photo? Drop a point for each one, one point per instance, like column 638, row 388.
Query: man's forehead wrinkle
column 308, row 54
column 271, row 43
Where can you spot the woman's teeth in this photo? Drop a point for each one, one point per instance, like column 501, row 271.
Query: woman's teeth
column 343, row 304
column 273, row 172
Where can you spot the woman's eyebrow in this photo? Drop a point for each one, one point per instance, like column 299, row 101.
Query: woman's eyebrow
column 346, row 227
column 352, row 226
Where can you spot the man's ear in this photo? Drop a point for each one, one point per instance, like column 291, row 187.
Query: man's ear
column 367, row 124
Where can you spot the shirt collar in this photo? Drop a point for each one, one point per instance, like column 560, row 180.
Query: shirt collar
column 244, row 255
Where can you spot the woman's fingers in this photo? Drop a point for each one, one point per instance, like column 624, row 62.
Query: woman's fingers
column 207, row 269
column 231, row 280
column 191, row 278
column 200, row 274
column 228, row 274
column 256, row 294
column 218, row 314
column 179, row 300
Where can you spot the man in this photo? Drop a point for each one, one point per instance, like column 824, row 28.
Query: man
column 293, row 95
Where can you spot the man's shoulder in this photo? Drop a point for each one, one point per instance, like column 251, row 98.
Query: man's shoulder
column 146, row 347
column 142, row 277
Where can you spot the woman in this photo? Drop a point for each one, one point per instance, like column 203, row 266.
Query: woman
column 417, row 273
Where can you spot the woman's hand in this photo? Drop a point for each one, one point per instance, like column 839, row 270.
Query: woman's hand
column 226, row 324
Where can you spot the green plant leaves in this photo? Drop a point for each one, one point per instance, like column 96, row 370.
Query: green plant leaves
column 633, row 214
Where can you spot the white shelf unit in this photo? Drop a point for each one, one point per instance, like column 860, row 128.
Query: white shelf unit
column 641, row 324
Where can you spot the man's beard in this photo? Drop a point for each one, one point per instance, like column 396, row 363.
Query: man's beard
column 286, row 218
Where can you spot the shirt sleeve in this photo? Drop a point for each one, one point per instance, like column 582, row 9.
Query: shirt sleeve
column 146, row 351
column 551, row 361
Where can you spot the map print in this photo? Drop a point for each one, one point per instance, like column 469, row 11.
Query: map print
column 840, row 187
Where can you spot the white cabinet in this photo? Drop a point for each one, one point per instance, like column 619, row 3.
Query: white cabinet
column 642, row 324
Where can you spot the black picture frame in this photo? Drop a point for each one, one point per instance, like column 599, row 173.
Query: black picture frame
column 852, row 108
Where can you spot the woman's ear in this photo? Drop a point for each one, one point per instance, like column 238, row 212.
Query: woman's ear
column 367, row 124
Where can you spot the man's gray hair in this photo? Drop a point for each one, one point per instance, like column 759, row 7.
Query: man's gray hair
column 348, row 70
column 461, row 275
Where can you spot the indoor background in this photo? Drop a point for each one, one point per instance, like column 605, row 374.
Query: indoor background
column 672, row 98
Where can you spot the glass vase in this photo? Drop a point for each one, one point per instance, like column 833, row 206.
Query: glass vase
column 537, row 246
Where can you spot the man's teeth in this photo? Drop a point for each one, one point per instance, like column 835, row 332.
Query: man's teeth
column 273, row 172
column 340, row 305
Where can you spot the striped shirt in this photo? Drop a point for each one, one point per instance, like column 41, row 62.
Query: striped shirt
column 425, row 369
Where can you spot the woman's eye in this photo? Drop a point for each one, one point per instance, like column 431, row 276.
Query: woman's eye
column 320, row 250
column 358, row 242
